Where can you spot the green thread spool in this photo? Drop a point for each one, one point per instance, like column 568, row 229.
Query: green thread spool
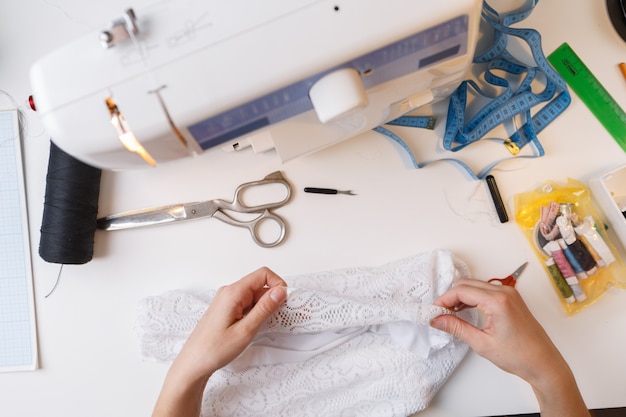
column 562, row 285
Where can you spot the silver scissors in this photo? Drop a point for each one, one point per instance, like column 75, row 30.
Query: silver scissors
column 211, row 208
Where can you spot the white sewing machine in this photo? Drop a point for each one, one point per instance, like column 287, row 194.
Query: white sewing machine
column 185, row 76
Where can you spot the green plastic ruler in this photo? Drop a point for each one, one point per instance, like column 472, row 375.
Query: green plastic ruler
column 590, row 91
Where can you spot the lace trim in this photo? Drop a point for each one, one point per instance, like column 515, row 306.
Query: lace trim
column 354, row 341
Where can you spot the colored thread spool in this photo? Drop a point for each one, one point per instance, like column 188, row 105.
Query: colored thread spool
column 70, row 209
column 587, row 230
column 561, row 261
column 583, row 256
column 554, row 249
column 596, row 257
column 578, row 291
column 561, row 283
column 571, row 259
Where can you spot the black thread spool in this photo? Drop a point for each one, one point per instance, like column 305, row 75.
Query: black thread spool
column 70, row 209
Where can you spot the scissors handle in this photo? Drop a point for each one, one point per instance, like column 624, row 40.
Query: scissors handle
column 509, row 281
column 238, row 204
column 255, row 224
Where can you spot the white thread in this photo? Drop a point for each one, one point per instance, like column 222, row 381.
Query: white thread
column 66, row 14
column 56, row 282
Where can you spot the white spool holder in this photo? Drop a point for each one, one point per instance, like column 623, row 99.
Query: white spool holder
column 338, row 94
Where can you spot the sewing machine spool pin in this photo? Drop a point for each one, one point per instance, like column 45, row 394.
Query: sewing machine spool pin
column 120, row 30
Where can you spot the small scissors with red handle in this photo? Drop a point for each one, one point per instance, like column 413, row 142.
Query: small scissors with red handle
column 511, row 280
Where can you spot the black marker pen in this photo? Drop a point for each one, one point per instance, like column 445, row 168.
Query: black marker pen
column 497, row 199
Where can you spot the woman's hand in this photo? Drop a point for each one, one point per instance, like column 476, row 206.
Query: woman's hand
column 513, row 340
column 232, row 321
column 224, row 331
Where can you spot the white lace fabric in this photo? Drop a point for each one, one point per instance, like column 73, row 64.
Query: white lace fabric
column 349, row 342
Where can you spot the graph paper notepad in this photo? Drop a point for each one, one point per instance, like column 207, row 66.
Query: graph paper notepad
column 18, row 340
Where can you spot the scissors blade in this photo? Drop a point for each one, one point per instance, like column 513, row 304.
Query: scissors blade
column 519, row 271
column 158, row 215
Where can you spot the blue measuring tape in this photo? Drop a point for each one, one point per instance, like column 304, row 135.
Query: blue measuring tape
column 510, row 103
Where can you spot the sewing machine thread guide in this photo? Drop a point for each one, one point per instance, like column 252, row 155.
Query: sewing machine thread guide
column 590, row 91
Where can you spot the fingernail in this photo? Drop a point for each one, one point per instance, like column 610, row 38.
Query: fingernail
column 278, row 294
column 438, row 324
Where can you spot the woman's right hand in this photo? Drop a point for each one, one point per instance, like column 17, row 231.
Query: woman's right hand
column 514, row 341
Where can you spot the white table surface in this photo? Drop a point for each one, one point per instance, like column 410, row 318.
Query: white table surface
column 89, row 363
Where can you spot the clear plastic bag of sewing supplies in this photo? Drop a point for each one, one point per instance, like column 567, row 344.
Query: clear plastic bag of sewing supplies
column 568, row 237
